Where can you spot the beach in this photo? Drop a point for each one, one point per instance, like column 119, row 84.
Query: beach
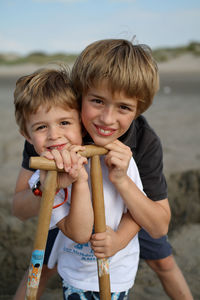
column 175, row 116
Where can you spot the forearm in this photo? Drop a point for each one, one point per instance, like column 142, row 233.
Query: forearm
column 78, row 224
column 25, row 205
column 126, row 231
column 153, row 216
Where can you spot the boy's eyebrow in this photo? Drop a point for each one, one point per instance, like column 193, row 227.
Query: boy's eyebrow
column 96, row 95
column 43, row 122
column 128, row 103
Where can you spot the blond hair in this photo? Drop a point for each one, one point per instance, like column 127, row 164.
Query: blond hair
column 126, row 67
column 48, row 87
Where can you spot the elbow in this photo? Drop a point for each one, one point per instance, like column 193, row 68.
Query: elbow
column 16, row 213
column 158, row 234
column 82, row 240
column 163, row 230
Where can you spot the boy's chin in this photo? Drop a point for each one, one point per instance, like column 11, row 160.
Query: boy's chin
column 103, row 142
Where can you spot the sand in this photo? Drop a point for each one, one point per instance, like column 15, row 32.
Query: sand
column 175, row 115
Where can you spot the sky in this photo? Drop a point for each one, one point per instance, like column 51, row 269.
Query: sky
column 68, row 26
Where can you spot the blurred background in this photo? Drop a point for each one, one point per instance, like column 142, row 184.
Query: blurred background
column 35, row 33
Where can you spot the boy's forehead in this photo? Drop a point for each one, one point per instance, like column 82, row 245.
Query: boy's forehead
column 106, row 85
column 62, row 107
column 63, row 111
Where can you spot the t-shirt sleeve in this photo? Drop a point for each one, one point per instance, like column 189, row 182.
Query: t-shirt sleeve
column 62, row 211
column 27, row 153
column 150, row 166
column 133, row 173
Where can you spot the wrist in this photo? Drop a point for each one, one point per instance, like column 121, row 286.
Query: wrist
column 121, row 182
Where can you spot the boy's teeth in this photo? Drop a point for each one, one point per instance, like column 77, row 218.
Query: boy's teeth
column 104, row 131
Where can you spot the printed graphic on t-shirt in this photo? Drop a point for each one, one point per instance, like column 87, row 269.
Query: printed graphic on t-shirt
column 84, row 251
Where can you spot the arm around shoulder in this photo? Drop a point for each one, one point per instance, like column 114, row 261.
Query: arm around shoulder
column 24, row 205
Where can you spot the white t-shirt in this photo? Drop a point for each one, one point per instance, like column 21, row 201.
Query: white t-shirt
column 77, row 264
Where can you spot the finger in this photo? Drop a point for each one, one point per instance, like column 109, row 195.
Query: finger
column 74, row 158
column 66, row 160
column 114, row 162
column 100, row 255
column 81, row 161
column 58, row 158
column 118, row 147
column 98, row 236
column 99, row 249
column 47, row 154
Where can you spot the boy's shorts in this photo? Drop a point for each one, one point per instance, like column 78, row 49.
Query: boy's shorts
column 149, row 248
column 50, row 241
column 153, row 249
column 72, row 293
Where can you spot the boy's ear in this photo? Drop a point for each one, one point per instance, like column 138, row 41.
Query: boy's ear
column 26, row 137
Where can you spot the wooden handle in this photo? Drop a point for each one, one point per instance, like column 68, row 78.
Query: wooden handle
column 45, row 215
column 43, row 163
column 100, row 224
column 44, row 218
column 91, row 150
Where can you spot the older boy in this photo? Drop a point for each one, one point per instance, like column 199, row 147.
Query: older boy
column 139, row 78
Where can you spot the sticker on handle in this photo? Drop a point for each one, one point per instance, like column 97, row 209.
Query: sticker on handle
column 103, row 266
column 35, row 268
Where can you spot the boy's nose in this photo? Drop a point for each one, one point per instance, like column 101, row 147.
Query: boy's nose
column 108, row 116
column 53, row 133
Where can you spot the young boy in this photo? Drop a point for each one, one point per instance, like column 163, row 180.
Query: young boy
column 46, row 112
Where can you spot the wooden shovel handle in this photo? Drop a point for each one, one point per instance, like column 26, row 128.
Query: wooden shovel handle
column 41, row 235
column 43, row 163
column 100, row 224
column 46, row 209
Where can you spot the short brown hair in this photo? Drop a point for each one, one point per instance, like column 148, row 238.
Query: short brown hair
column 127, row 67
column 49, row 87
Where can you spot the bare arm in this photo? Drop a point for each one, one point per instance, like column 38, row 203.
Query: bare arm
column 25, row 205
column 153, row 216
column 78, row 224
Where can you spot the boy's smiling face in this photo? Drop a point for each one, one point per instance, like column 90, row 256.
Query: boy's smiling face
column 107, row 116
column 54, row 128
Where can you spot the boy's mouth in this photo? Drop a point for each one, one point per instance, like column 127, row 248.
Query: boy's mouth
column 57, row 147
column 104, row 131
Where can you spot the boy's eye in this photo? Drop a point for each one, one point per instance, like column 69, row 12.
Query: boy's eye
column 98, row 101
column 40, row 127
column 124, row 107
column 65, row 123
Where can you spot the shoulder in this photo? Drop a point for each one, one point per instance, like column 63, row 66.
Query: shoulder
column 27, row 153
column 29, row 149
column 145, row 133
